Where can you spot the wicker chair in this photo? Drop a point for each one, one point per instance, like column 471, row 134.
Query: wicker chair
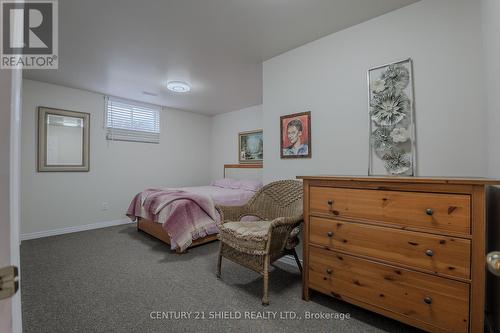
column 257, row 244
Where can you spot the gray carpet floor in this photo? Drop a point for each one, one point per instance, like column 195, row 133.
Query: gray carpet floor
column 112, row 279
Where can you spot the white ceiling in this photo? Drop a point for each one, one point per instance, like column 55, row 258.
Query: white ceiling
column 126, row 47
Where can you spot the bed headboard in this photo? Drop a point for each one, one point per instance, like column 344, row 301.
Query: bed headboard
column 243, row 171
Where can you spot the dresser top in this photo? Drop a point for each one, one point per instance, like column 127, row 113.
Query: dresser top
column 395, row 179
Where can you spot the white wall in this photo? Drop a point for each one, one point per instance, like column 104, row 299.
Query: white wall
column 491, row 47
column 118, row 170
column 328, row 78
column 225, row 129
column 491, row 52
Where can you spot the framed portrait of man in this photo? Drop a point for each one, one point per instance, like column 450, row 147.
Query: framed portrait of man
column 296, row 135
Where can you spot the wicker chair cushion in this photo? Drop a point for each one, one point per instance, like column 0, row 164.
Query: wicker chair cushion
column 249, row 218
column 247, row 237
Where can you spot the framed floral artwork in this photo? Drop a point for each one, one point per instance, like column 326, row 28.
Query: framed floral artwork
column 392, row 127
column 251, row 147
column 296, row 135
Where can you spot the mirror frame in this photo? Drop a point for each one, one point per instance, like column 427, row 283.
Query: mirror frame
column 43, row 113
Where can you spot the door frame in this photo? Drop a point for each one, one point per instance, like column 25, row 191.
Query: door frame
column 15, row 190
column 15, row 186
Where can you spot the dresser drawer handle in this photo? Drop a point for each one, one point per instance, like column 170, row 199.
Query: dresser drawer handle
column 429, row 211
column 330, row 203
column 330, row 234
column 329, row 271
column 428, row 300
column 429, row 252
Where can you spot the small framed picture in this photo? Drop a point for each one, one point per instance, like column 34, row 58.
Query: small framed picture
column 296, row 135
column 251, row 147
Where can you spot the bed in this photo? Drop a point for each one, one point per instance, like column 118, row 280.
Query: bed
column 236, row 188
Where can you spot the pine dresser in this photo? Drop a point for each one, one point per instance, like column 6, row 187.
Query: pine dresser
column 409, row 248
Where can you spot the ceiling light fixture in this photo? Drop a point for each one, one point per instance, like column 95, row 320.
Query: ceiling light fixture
column 178, row 86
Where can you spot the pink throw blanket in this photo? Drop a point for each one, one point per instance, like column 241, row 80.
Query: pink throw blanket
column 184, row 215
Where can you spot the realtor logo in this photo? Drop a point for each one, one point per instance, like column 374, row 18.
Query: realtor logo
column 29, row 36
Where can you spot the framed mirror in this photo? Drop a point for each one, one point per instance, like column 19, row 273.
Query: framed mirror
column 63, row 140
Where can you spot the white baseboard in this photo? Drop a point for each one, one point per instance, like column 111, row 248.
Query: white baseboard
column 68, row 230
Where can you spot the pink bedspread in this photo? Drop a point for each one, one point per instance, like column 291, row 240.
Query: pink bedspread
column 222, row 196
column 185, row 213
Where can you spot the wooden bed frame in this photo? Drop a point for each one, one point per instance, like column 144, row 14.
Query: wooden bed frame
column 156, row 230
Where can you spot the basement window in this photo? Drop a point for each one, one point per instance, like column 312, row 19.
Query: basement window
column 132, row 121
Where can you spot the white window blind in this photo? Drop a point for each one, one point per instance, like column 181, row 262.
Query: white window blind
column 132, row 121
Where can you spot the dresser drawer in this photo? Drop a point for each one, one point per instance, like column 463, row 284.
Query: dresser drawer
column 436, row 301
column 439, row 212
column 436, row 254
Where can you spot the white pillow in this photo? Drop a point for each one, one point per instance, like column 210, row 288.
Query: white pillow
column 250, row 185
column 226, row 183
